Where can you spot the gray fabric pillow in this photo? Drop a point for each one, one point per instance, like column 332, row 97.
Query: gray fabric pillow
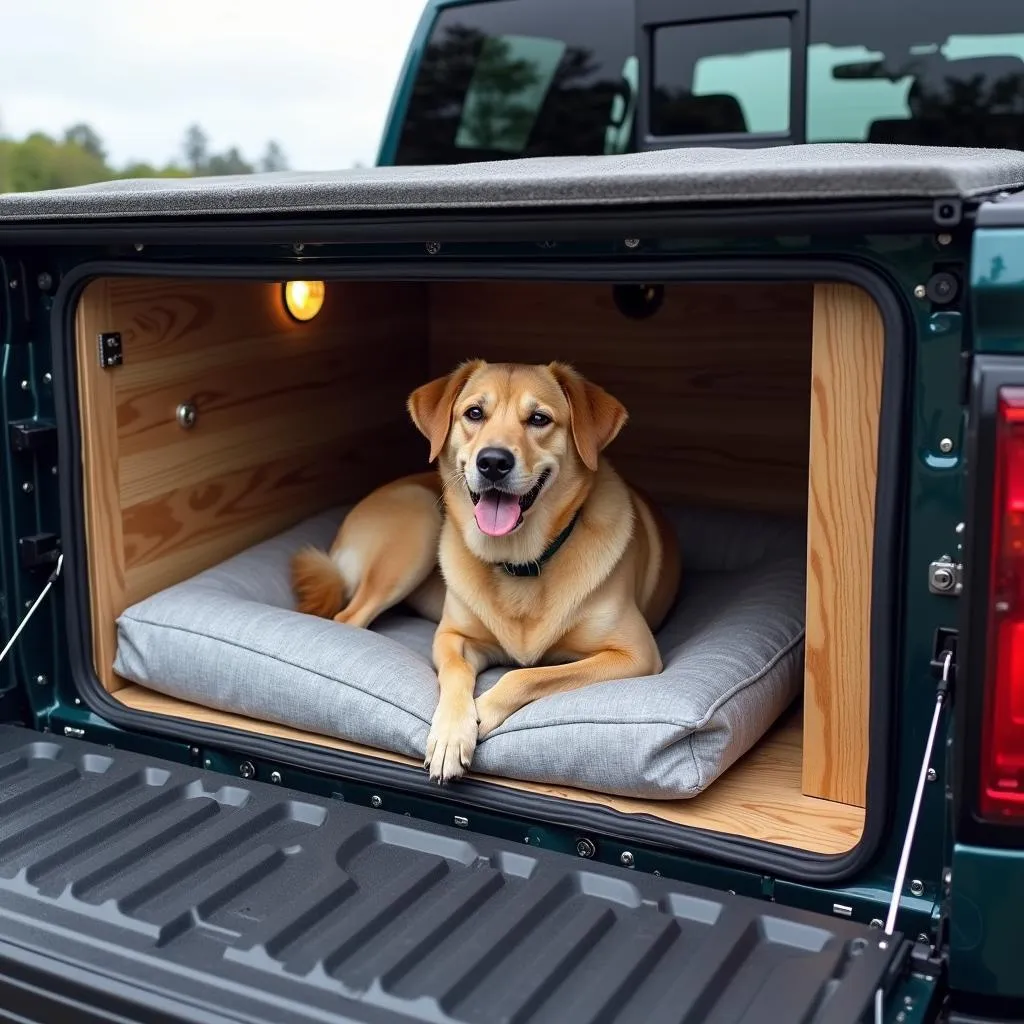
column 230, row 639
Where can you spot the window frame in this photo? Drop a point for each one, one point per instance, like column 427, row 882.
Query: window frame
column 652, row 15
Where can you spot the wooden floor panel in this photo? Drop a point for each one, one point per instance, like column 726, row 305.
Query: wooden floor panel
column 759, row 797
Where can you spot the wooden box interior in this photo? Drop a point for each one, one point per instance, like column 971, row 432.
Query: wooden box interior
column 755, row 396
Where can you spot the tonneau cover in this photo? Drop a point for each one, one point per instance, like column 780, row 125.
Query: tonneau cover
column 144, row 889
column 832, row 171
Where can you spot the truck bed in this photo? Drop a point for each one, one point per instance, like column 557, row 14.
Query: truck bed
column 138, row 889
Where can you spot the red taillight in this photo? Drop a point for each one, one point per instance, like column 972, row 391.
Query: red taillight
column 1002, row 751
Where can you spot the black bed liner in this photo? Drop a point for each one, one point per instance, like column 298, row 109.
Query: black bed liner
column 681, row 177
column 146, row 890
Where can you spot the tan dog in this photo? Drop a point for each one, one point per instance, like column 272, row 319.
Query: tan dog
column 547, row 559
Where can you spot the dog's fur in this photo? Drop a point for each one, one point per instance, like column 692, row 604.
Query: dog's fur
column 590, row 614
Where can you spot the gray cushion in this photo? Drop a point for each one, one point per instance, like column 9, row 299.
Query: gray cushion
column 230, row 639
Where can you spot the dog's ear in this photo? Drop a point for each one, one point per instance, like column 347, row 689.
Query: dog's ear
column 430, row 405
column 595, row 416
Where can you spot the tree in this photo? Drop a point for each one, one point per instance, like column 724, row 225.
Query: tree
column 230, row 162
column 85, row 137
column 197, row 149
column 273, row 158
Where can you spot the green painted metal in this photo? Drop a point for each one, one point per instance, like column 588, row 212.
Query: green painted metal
column 987, row 893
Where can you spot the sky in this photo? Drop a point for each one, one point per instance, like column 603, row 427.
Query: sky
column 316, row 75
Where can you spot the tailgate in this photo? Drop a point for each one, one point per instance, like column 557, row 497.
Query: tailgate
column 138, row 889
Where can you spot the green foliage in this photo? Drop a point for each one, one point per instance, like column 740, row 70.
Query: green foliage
column 79, row 158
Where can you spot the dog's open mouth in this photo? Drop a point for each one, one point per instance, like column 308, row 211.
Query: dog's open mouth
column 498, row 512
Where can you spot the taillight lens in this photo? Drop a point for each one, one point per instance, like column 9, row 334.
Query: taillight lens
column 1002, row 752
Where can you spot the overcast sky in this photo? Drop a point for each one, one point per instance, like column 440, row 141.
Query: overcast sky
column 317, row 75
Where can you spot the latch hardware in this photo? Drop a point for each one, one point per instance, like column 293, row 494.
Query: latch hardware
column 39, row 549
column 946, row 577
column 111, row 353
column 32, row 435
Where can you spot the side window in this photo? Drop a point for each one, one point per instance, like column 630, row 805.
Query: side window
column 520, row 78
column 721, row 78
column 943, row 73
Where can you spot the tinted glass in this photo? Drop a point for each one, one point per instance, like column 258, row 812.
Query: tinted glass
column 519, row 78
column 925, row 72
column 721, row 77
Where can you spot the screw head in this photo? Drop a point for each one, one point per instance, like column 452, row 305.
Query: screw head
column 433, row 248
column 14, row 284
column 876, row 922
column 44, row 281
column 247, row 770
column 194, row 751
column 27, row 487
column 631, row 243
column 585, row 848
column 916, row 887
column 207, row 763
column 626, row 858
column 47, row 377
column 25, row 385
column 375, row 801
column 297, row 247
column 186, row 415
column 275, row 777
column 41, row 680
column 923, row 937
column 53, row 470
column 932, row 775
column 946, row 445
column 944, row 238
column 920, row 291
column 139, row 247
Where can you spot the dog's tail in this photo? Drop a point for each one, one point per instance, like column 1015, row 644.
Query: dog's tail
column 317, row 582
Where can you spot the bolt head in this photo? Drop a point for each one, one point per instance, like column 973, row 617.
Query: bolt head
column 585, row 848
column 139, row 247
column 41, row 680
column 375, row 801
column 626, row 859
column 920, row 291
column 45, row 282
column 876, row 922
column 632, row 243
column 944, row 238
column 194, row 751
column 25, row 385
column 247, row 770
column 916, row 887
column 932, row 775
column 47, row 377
column 433, row 248
column 186, row 415
column 946, row 445
column 275, row 777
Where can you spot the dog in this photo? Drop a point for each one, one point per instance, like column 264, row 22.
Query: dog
column 526, row 547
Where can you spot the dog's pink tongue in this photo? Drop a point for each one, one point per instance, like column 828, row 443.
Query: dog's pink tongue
column 497, row 513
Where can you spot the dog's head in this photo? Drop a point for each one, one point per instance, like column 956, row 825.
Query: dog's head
column 517, row 443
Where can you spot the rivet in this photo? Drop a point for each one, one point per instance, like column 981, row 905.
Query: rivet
column 433, row 248
column 78, row 701
column 207, row 763
column 246, row 770
column 946, row 445
column 920, row 291
column 632, row 243
column 375, row 801
column 186, row 415
column 932, row 775
column 41, row 680
column 944, row 239
column 916, row 887
column 194, row 751
column 959, row 527
column 25, row 385
column 47, row 377
column 53, row 470
column 626, row 858
column 585, row 848
column 27, row 487
column 275, row 778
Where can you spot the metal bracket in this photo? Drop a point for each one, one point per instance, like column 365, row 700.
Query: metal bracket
column 40, row 549
column 31, row 435
column 946, row 577
column 111, row 353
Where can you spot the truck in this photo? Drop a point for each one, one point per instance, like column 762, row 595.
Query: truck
column 214, row 808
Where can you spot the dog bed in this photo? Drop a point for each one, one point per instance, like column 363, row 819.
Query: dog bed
column 229, row 638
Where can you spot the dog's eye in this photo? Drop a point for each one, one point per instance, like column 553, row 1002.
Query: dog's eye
column 474, row 412
column 539, row 419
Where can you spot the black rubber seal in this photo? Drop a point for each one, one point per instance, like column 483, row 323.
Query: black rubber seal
column 886, row 611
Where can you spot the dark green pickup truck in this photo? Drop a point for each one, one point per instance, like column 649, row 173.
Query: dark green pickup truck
column 213, row 808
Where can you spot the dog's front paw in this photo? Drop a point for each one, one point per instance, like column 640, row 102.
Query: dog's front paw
column 490, row 712
column 451, row 741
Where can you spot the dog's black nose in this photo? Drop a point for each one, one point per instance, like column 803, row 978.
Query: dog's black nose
column 495, row 463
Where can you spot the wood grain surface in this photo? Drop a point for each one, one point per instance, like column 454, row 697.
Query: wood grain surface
column 290, row 418
column 717, row 382
column 759, row 797
column 845, row 404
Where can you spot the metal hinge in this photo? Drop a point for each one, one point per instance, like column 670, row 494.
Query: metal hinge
column 946, row 577
column 31, row 435
column 110, row 351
